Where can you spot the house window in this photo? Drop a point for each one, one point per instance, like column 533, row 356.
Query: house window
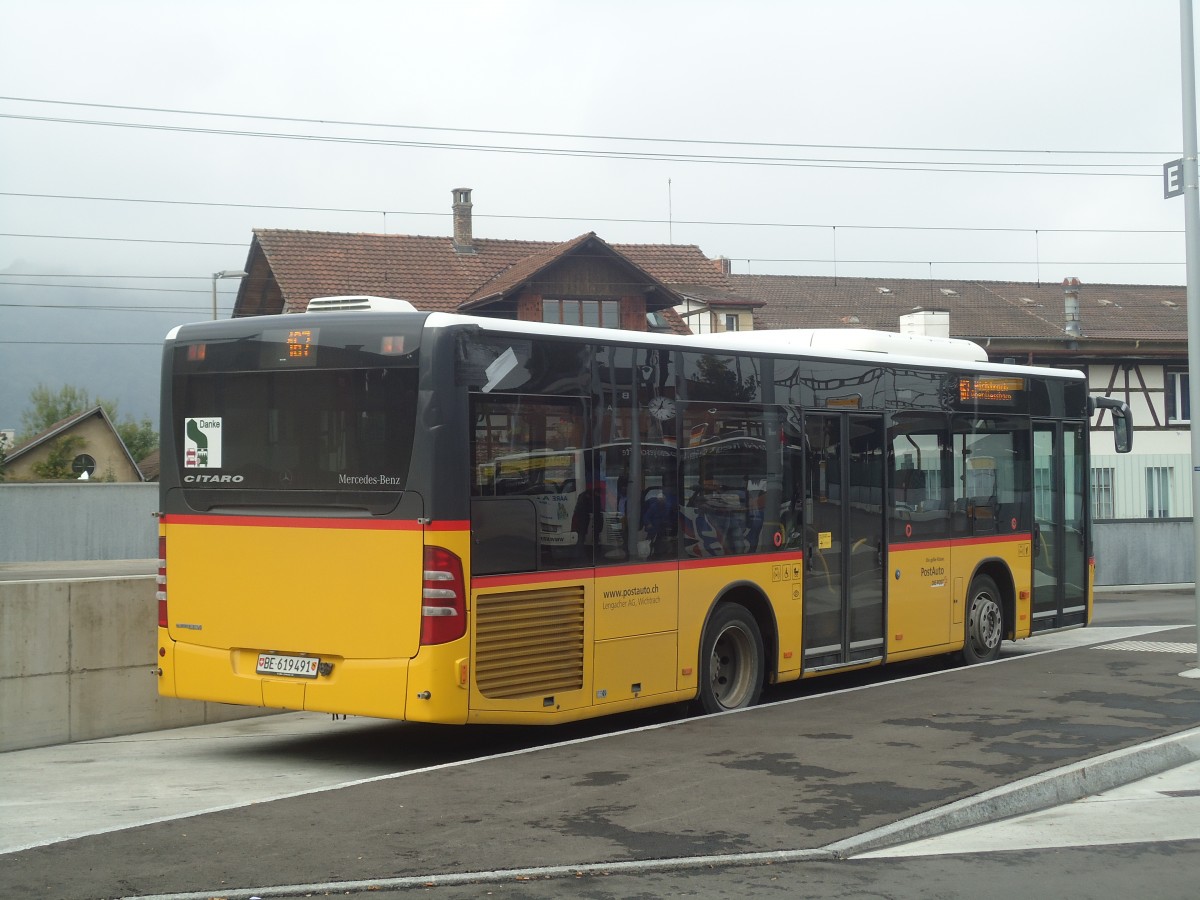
column 1158, row 492
column 83, row 464
column 596, row 313
column 1102, row 493
column 731, row 322
column 1179, row 398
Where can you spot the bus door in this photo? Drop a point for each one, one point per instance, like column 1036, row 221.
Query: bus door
column 844, row 522
column 1060, row 551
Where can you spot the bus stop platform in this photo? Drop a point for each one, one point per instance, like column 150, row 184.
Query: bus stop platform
column 868, row 764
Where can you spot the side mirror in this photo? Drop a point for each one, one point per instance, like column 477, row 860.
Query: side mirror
column 1122, row 420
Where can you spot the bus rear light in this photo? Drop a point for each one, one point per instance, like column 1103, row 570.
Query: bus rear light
column 443, row 597
column 162, row 582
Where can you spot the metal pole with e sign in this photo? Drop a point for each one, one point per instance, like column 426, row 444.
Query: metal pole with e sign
column 1173, row 179
column 1191, row 204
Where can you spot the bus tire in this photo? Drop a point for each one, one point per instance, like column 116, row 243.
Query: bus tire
column 732, row 663
column 985, row 622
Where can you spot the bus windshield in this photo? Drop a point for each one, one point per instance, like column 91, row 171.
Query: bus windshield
column 316, row 415
column 314, row 430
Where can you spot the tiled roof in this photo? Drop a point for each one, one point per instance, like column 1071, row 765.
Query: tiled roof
column 428, row 272
column 523, row 269
column 718, row 296
column 978, row 309
column 54, row 430
column 151, row 465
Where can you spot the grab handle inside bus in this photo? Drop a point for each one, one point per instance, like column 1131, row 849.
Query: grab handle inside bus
column 1122, row 420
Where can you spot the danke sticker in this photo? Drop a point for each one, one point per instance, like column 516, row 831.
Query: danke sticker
column 202, row 443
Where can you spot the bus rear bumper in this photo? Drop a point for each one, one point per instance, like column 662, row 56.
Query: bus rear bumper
column 361, row 687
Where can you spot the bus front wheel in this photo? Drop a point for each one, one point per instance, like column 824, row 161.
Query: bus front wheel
column 985, row 622
column 731, row 661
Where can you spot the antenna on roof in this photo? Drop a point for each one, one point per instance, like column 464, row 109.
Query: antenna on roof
column 670, row 216
column 834, row 227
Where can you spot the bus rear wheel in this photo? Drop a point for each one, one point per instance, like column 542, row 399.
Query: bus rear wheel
column 985, row 622
column 732, row 661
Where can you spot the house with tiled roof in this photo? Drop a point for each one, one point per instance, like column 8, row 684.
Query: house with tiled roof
column 84, row 446
column 584, row 280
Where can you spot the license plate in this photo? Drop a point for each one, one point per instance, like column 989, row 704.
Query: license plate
column 292, row 666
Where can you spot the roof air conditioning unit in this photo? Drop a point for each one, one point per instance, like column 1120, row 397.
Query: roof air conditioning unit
column 359, row 301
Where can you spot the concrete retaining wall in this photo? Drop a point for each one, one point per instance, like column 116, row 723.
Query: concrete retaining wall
column 76, row 663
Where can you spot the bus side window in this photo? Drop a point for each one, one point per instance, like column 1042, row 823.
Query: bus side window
column 917, row 504
column 991, row 461
column 527, row 449
column 504, row 535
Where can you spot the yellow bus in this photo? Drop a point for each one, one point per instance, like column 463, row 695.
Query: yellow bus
column 449, row 519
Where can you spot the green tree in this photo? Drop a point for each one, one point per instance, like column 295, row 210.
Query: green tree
column 48, row 406
column 140, row 438
column 57, row 464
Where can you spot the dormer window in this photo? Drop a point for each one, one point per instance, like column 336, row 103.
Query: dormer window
column 596, row 313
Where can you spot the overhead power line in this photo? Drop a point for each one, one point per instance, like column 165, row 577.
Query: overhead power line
column 589, row 137
column 92, row 343
column 622, row 221
column 80, row 307
column 829, row 260
column 102, row 287
column 976, row 168
column 71, row 275
column 890, row 165
column 84, row 237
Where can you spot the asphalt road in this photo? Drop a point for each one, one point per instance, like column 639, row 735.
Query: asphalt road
column 790, row 797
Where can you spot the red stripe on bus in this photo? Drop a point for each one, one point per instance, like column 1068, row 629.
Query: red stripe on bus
column 636, row 569
column 946, row 543
column 489, row 581
column 664, row 567
column 306, row 522
column 717, row 561
column 994, row 539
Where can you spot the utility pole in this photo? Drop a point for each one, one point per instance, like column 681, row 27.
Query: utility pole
column 1191, row 201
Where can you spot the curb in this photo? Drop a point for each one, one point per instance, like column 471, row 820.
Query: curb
column 1037, row 792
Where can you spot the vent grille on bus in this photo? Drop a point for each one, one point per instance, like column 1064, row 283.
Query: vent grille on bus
column 529, row 643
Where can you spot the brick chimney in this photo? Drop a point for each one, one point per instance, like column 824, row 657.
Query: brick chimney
column 462, row 221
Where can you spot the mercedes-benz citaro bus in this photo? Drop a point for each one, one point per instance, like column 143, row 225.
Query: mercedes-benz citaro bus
column 360, row 511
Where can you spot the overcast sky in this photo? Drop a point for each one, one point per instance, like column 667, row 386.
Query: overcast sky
column 926, row 132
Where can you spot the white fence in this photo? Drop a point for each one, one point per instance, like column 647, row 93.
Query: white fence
column 77, row 521
column 1141, row 486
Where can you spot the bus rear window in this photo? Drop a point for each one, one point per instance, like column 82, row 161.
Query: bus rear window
column 301, row 430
